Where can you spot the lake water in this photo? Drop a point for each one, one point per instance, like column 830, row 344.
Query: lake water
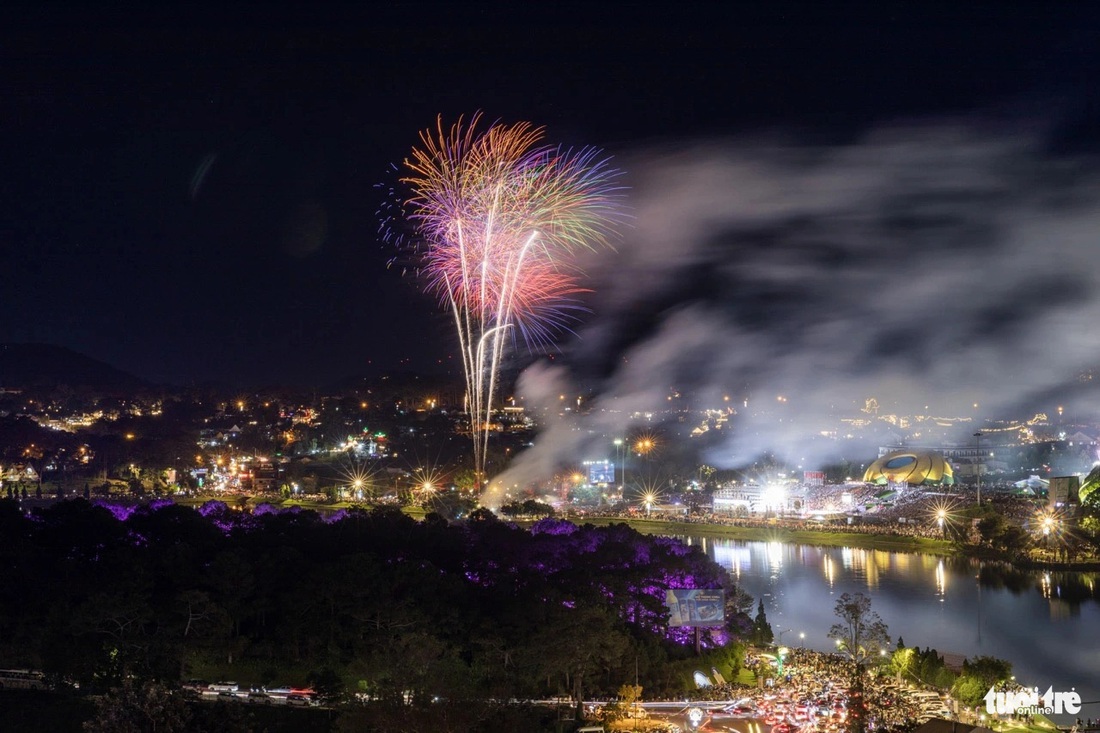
column 1046, row 624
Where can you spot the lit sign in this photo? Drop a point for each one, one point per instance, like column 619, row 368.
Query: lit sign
column 601, row 472
column 696, row 606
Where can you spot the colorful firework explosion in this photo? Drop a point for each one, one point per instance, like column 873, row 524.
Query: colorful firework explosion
column 500, row 216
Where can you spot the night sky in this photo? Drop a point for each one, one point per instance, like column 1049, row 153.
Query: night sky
column 192, row 195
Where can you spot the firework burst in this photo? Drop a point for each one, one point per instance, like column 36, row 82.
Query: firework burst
column 500, row 215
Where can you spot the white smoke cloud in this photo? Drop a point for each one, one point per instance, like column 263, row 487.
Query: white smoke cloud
column 931, row 267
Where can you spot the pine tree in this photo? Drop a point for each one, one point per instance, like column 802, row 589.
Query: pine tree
column 860, row 637
column 761, row 629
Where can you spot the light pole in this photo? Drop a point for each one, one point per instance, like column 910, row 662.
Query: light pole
column 801, row 639
column 941, row 515
column 978, row 465
column 622, row 452
column 1048, row 524
column 780, row 652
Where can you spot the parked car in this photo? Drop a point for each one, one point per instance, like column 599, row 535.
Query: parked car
column 224, row 686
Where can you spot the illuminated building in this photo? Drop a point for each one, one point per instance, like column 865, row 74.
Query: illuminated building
column 910, row 467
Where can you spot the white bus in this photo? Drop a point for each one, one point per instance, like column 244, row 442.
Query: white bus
column 22, row 679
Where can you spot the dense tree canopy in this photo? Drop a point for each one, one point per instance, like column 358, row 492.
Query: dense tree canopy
column 359, row 602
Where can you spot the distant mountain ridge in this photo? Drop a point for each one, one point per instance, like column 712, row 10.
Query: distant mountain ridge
column 46, row 365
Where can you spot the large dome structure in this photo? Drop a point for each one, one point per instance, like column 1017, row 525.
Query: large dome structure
column 910, row 467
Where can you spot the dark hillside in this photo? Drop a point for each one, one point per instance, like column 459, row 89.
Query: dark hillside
column 44, row 365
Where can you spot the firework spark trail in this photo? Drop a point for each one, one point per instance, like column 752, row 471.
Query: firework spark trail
column 500, row 214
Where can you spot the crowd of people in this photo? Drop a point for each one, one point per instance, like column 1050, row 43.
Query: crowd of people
column 852, row 508
column 810, row 690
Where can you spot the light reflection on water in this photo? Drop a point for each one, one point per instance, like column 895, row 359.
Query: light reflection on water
column 1046, row 624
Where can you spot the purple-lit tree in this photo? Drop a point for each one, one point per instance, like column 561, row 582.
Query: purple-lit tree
column 465, row 610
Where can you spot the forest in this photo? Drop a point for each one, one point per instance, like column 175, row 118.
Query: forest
column 363, row 606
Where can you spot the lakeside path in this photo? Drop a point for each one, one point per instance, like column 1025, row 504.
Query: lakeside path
column 861, row 540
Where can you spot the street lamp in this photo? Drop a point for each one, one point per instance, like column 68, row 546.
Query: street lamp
column 801, row 639
column 978, row 466
column 941, row 516
column 622, row 452
column 1049, row 526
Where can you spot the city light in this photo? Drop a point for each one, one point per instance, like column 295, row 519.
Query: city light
column 1048, row 522
column 774, row 497
column 646, row 444
column 359, row 481
column 427, row 481
column 943, row 513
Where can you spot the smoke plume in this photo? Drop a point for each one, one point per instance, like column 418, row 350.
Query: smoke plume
column 941, row 270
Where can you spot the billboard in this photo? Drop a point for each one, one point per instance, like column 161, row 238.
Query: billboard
column 1063, row 490
column 601, row 472
column 696, row 606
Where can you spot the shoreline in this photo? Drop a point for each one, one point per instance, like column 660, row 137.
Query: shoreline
column 859, row 540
